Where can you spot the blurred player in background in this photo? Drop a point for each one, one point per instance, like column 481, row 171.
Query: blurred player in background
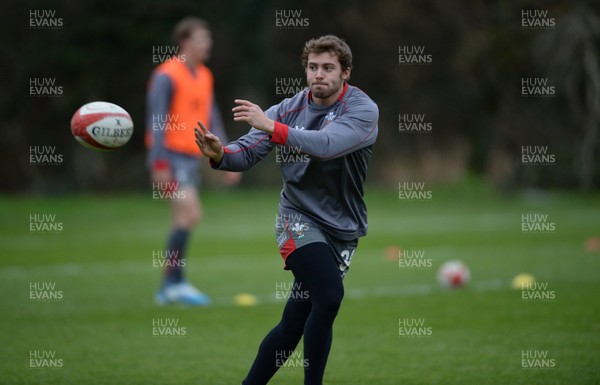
column 180, row 93
column 330, row 129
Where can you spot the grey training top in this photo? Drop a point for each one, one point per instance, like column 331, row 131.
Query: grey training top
column 323, row 153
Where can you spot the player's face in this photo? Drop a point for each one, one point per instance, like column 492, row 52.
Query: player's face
column 197, row 47
column 325, row 76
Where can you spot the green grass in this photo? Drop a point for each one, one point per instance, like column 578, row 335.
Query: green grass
column 102, row 263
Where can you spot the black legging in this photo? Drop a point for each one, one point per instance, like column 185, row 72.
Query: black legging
column 315, row 271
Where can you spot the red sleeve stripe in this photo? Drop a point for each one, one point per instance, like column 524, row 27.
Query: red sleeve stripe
column 280, row 133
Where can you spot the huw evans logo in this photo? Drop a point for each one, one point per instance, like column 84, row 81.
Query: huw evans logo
column 413, row 55
column 290, row 19
column 413, row 259
column 536, row 156
column 537, row 359
column 288, row 86
column 536, row 223
column 413, row 124
column 536, row 19
column 44, row 291
column 45, row 87
column 167, row 259
column 537, row 291
column 537, row 87
column 285, row 291
column 287, row 155
column 44, row 156
column 44, row 223
column 413, row 327
column 167, row 327
column 44, row 359
column 167, row 191
column 290, row 359
column 283, row 221
column 44, row 19
column 163, row 53
column 414, row 191
column 167, row 122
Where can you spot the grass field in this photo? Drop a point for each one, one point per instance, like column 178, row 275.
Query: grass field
column 99, row 267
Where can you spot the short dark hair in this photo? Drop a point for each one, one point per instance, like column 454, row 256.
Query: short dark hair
column 328, row 43
column 184, row 28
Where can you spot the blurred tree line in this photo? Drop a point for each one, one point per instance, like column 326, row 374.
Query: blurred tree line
column 470, row 93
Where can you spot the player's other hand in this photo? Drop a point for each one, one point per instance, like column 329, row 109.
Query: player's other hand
column 252, row 114
column 208, row 143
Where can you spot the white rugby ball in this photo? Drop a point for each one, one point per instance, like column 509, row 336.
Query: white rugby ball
column 102, row 126
column 453, row 274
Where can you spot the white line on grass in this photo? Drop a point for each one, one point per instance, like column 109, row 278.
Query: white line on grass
column 72, row 269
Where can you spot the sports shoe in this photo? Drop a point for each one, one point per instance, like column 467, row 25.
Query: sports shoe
column 181, row 293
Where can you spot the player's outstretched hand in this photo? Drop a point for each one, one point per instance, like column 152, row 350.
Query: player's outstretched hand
column 252, row 114
column 208, row 143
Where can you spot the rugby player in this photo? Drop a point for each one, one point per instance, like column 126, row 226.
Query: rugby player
column 321, row 211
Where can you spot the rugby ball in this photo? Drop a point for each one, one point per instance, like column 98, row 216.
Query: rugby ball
column 101, row 126
column 453, row 274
